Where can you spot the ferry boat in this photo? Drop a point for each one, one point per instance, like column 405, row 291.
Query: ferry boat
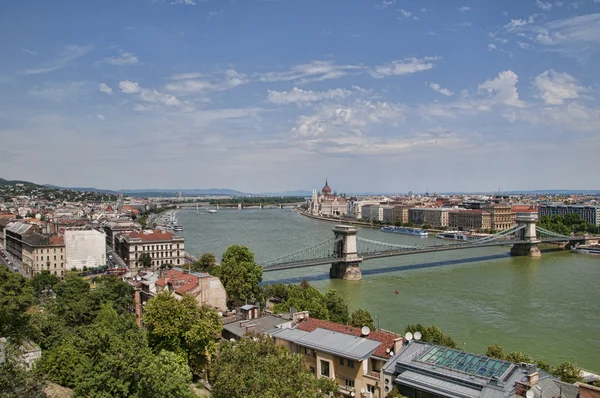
column 212, row 211
column 454, row 235
column 405, row 231
column 593, row 250
column 177, row 227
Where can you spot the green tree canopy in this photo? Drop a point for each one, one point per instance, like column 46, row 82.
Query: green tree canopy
column 16, row 295
column 181, row 326
column 277, row 291
column 304, row 297
column 337, row 307
column 205, row 263
column 568, row 373
column 360, row 318
column 15, row 381
column 518, row 357
column 240, row 276
column 166, row 376
column 44, row 280
column 432, row 334
column 113, row 289
column 495, row 351
column 257, row 368
column 145, row 260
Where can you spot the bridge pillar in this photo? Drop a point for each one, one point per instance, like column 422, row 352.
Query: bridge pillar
column 261, row 206
column 240, row 207
column 281, row 206
column 528, row 235
column 348, row 267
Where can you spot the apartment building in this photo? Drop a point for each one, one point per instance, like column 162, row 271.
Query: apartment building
column 590, row 214
column 164, row 247
column 14, row 234
column 342, row 353
column 470, row 220
column 371, row 213
column 400, row 214
column 115, row 227
column 43, row 253
column 85, row 249
column 434, row 216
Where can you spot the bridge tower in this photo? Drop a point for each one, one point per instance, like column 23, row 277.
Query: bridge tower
column 527, row 234
column 240, row 206
column 347, row 250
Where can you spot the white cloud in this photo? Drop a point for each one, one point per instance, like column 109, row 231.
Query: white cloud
column 310, row 72
column 28, row 51
column 60, row 92
column 101, row 117
column 105, row 89
column 129, row 87
column 514, row 24
column 124, row 58
column 385, row 4
column 464, row 9
column 186, row 76
column 186, row 2
column 491, row 47
column 546, row 6
column 439, row 89
column 404, row 67
column 522, row 45
column 190, row 82
column 301, row 97
column 555, row 87
column 67, row 55
column 502, row 89
column 405, row 13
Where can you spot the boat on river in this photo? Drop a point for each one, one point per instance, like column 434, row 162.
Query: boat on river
column 405, row 231
column 212, row 211
column 455, row 235
column 593, row 250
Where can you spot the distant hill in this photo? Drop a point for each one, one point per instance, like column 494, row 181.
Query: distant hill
column 83, row 189
column 287, row 193
column 194, row 192
column 11, row 182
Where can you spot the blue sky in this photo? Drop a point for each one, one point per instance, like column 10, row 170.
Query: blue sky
column 277, row 95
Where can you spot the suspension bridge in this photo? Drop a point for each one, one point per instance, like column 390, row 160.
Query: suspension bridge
column 345, row 250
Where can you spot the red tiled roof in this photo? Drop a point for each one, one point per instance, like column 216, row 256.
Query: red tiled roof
column 187, row 282
column 385, row 337
column 57, row 240
column 155, row 235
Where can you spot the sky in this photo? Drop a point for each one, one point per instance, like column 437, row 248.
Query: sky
column 263, row 96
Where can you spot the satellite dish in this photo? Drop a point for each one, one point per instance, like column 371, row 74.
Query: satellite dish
column 365, row 330
column 391, row 353
column 387, row 350
column 418, row 336
column 362, row 390
column 352, row 394
column 220, row 313
column 530, row 394
column 408, row 336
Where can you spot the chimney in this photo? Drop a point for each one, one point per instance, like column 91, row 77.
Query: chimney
column 250, row 328
column 398, row 343
column 298, row 316
column 588, row 390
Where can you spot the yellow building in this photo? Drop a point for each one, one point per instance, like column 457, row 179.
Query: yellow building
column 44, row 253
column 501, row 217
column 342, row 353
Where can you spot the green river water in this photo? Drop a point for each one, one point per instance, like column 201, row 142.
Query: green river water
column 548, row 308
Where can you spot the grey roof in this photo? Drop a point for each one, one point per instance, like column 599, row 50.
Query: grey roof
column 340, row 344
column 261, row 325
column 247, row 307
column 288, row 334
column 408, row 368
column 18, row 228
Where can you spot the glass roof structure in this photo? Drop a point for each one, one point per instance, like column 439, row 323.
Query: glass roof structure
column 476, row 365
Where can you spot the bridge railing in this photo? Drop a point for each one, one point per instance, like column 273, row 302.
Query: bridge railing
column 320, row 251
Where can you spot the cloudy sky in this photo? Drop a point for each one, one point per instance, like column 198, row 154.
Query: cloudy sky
column 391, row 95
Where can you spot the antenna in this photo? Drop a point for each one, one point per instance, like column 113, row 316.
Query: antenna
column 365, row 330
column 418, row 336
column 408, row 336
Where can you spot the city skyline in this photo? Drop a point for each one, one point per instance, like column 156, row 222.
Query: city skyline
column 265, row 96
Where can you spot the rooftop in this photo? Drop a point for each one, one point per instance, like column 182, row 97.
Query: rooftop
column 151, row 236
column 260, row 325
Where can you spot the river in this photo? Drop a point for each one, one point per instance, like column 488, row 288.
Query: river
column 548, row 308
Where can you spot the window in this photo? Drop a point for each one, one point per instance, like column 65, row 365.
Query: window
column 350, row 363
column 299, row 349
column 370, row 388
column 342, row 361
column 349, row 383
column 324, row 368
column 55, row 257
column 61, row 257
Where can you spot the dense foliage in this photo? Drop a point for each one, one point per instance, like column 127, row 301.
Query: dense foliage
column 256, row 368
column 567, row 224
column 205, row 263
column 566, row 371
column 240, row 276
column 360, row 318
column 432, row 334
column 16, row 295
column 182, row 327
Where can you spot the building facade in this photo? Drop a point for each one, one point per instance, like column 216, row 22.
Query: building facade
column 436, row 217
column 470, row 220
column 44, row 253
column 85, row 249
column 371, row 213
column 14, row 234
column 206, row 289
column 400, row 214
column 501, row 217
column 590, row 214
column 163, row 247
column 327, row 204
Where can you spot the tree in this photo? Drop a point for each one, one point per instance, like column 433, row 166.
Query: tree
column 518, row 357
column 113, row 289
column 240, row 276
column 360, row 318
column 73, row 303
column 568, row 372
column 145, row 260
column 64, row 363
column 181, row 326
column 337, row 307
column 256, row 368
column 432, row 334
column 44, row 280
column 304, row 297
column 166, row 376
column 495, row 351
column 205, row 263
column 15, row 381
column 16, row 295
column 277, row 291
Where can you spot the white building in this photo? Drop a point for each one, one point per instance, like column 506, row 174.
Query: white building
column 85, row 249
column 372, row 212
